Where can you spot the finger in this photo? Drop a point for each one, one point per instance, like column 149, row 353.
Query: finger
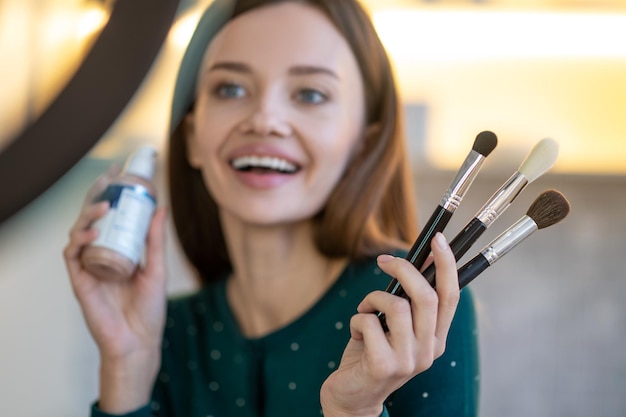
column 71, row 255
column 418, row 320
column 101, row 184
column 88, row 215
column 114, row 170
column 447, row 288
column 366, row 328
column 78, row 240
column 381, row 359
column 80, row 234
column 397, row 310
column 424, row 302
column 427, row 262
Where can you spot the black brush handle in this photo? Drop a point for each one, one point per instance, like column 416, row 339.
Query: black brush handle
column 461, row 243
column 419, row 251
column 472, row 269
column 421, row 248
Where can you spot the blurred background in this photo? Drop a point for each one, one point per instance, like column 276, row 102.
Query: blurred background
column 552, row 316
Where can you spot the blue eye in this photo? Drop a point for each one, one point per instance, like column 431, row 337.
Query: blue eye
column 311, row 96
column 230, row 90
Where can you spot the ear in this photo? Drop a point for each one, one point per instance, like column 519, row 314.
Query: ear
column 190, row 138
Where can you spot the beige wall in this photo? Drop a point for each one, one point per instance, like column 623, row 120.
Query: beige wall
column 552, row 315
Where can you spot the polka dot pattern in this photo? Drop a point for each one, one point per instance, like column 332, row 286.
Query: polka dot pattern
column 203, row 347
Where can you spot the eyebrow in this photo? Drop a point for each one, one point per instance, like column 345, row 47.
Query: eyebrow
column 310, row 69
column 231, row 66
column 295, row 70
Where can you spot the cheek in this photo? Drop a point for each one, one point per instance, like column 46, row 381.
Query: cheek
column 211, row 130
column 201, row 150
column 206, row 149
column 337, row 139
column 332, row 160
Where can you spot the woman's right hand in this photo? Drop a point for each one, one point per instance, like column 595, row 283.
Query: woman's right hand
column 126, row 319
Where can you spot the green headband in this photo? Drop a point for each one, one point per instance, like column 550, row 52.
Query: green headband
column 212, row 20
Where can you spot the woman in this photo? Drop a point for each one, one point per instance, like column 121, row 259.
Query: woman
column 287, row 178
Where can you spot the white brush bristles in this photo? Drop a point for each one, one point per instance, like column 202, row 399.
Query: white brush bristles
column 540, row 159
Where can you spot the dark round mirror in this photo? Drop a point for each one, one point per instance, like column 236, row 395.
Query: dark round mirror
column 69, row 69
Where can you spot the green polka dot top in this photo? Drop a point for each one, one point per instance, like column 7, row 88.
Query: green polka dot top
column 210, row 370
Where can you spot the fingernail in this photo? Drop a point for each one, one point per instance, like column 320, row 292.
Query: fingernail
column 383, row 259
column 440, row 241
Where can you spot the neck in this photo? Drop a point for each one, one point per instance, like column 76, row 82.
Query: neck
column 278, row 274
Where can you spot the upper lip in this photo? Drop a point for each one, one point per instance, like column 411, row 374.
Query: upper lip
column 259, row 150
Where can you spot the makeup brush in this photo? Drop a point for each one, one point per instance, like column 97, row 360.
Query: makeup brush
column 484, row 143
column 549, row 208
column 538, row 161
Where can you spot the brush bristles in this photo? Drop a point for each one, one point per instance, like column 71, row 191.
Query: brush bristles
column 549, row 208
column 485, row 142
column 540, row 159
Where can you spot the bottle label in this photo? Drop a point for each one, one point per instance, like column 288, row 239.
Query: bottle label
column 125, row 226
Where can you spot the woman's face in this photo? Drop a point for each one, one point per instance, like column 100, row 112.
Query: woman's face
column 278, row 115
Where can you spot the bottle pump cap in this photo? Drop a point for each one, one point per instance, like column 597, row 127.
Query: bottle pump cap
column 141, row 162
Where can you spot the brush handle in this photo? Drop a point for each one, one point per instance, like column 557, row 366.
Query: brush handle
column 419, row 252
column 496, row 249
column 472, row 269
column 461, row 243
column 421, row 248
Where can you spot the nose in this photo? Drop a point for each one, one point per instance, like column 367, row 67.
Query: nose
column 268, row 117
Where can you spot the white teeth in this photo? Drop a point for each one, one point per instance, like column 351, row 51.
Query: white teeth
column 267, row 162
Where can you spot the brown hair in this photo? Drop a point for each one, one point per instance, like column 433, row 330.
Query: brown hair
column 371, row 209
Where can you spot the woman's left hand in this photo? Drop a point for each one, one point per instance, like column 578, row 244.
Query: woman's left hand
column 375, row 363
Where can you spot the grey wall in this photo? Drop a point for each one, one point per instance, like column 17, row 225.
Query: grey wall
column 552, row 312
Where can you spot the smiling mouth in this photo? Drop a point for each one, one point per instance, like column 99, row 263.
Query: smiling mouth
column 264, row 164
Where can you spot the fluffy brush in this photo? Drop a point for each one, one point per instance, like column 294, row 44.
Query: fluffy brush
column 549, row 208
column 538, row 161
